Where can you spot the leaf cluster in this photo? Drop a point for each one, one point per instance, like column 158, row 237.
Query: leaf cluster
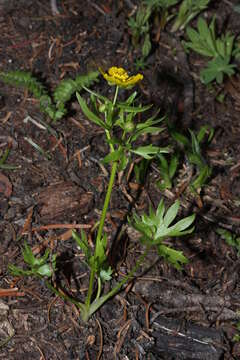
column 157, row 226
column 167, row 170
column 122, row 116
column 96, row 261
column 152, row 17
column 187, row 11
column 42, row 267
column 160, row 10
column 55, row 106
column 205, row 42
column 193, row 152
column 140, row 30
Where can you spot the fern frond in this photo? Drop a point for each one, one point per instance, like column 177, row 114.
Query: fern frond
column 68, row 87
column 63, row 92
column 86, row 80
column 24, row 79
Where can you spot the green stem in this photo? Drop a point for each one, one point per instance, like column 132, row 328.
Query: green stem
column 90, row 287
column 132, row 272
column 103, row 214
column 107, row 200
column 64, row 296
column 100, row 229
column 98, row 302
column 99, row 288
column 115, row 96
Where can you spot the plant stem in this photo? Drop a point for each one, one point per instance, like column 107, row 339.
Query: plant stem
column 107, row 200
column 104, row 213
column 90, row 288
column 64, row 296
column 98, row 302
column 115, row 96
column 132, row 272
column 100, row 228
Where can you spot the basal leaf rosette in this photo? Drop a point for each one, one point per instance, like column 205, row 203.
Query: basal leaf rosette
column 118, row 76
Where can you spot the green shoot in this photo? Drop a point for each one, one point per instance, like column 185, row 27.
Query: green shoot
column 188, row 10
column 230, row 238
column 192, row 149
column 167, row 170
column 205, row 42
column 41, row 267
column 139, row 28
column 160, row 8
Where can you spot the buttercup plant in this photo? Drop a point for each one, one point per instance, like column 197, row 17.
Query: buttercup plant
column 154, row 228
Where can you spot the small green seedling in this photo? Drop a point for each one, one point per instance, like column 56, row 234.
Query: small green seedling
column 160, row 11
column 205, row 42
column 3, row 159
column 230, row 238
column 188, row 10
column 42, row 267
column 140, row 171
column 167, row 170
column 192, row 150
column 139, row 28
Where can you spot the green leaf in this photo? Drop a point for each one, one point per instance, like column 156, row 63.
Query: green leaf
column 106, row 275
column 216, row 70
column 64, row 91
column 86, row 80
column 44, row 270
column 100, row 255
column 207, row 35
column 171, row 213
column 183, row 224
column 226, row 235
column 149, row 151
column 146, row 48
column 38, row 266
column 160, row 211
column 147, row 130
column 131, row 98
column 16, row 271
column 180, row 138
column 28, row 255
column 89, row 114
column 82, row 242
column 173, row 166
column 203, row 131
column 134, row 109
column 174, row 257
column 201, row 179
column 113, row 156
column 163, row 163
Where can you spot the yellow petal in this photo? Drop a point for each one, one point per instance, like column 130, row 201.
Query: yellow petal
column 120, row 77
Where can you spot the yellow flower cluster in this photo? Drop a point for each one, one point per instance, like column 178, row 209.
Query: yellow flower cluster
column 119, row 76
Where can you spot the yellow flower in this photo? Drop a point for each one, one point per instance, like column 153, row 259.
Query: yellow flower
column 119, row 76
